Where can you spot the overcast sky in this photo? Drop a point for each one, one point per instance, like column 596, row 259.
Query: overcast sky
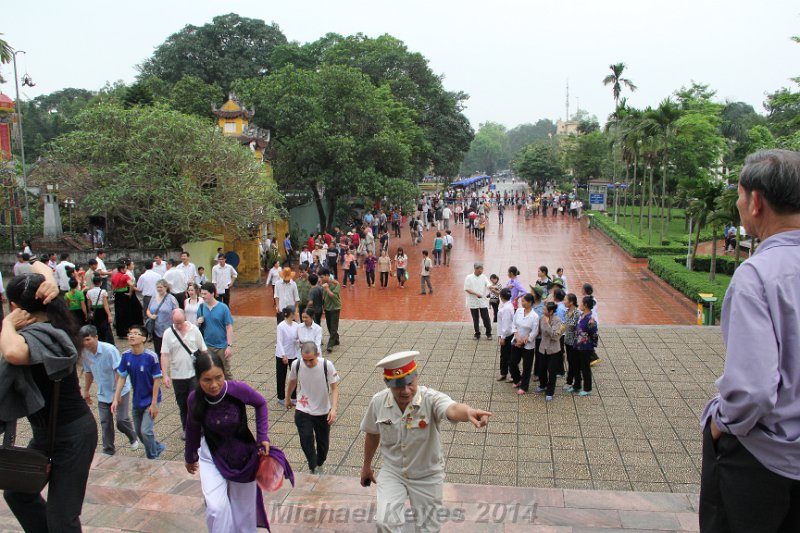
column 512, row 57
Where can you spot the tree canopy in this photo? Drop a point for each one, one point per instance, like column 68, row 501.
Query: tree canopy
column 160, row 177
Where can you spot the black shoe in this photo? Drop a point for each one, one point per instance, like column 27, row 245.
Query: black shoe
column 330, row 350
column 488, row 336
column 477, row 336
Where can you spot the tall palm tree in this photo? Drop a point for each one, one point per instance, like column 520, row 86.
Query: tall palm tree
column 616, row 81
column 631, row 138
column 661, row 123
column 703, row 207
column 5, row 54
column 726, row 206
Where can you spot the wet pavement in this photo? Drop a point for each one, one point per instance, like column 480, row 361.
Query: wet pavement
column 627, row 291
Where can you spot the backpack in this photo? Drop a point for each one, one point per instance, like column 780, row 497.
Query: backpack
column 324, row 371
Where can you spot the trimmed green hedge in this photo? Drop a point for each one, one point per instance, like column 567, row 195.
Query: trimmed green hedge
column 629, row 242
column 672, row 269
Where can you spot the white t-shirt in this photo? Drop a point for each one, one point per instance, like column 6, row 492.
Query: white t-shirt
column 189, row 272
column 176, row 280
column 479, row 284
column 94, row 297
column 223, row 277
column 313, row 397
column 180, row 361
column 61, row 275
column 160, row 269
column 101, row 265
column 147, row 283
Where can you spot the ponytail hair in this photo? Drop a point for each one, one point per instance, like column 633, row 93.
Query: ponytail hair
column 21, row 291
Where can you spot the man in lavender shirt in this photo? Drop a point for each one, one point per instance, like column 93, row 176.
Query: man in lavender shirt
column 751, row 447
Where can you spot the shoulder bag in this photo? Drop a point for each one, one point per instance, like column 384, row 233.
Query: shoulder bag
column 150, row 324
column 90, row 311
column 27, row 470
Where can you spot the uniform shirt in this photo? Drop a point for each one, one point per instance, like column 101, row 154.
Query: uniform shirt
column 176, row 280
column 102, row 366
column 143, row 370
column 160, row 269
column 313, row 395
column 526, row 325
column 223, row 277
column 410, row 441
column 189, row 272
column 505, row 320
column 332, row 303
column 287, row 294
column 310, row 334
column 180, row 360
column 759, row 389
column 147, row 282
column 286, row 342
column 61, row 275
column 479, row 284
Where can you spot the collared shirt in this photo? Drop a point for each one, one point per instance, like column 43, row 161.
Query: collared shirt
column 160, row 269
column 189, row 272
column 479, row 284
column 410, row 440
column 176, row 280
column 102, row 366
column 310, row 334
column 287, row 294
column 505, row 320
column 181, row 365
column 222, row 277
column 286, row 341
column 101, row 265
column 526, row 327
column 147, row 282
column 759, row 390
column 61, row 275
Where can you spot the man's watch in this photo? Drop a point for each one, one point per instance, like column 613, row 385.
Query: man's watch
column 230, row 345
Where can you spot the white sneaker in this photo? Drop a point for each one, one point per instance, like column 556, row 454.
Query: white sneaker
column 135, row 445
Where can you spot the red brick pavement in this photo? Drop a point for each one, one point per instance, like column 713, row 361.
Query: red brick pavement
column 628, row 293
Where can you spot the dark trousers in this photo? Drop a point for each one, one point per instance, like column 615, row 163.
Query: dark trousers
column 495, row 306
column 487, row 321
column 384, row 279
column 280, row 372
column 425, row 280
column 182, row 388
column 313, row 430
column 527, row 367
column 332, row 321
column 181, row 297
column 585, row 375
column 505, row 355
column 124, row 424
column 157, row 341
column 121, row 312
column 549, row 368
column 738, row 494
column 370, row 278
column 225, row 298
column 500, row 218
column 100, row 321
column 317, row 316
column 573, row 365
column 145, row 307
column 72, row 458
column 401, row 276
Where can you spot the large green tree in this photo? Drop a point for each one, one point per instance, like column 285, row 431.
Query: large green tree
column 160, row 177
column 193, row 96
column 335, row 134
column 50, row 115
column 537, row 164
column 228, row 48
column 488, row 151
column 525, row 134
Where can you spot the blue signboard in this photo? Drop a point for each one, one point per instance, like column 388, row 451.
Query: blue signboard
column 493, row 187
column 596, row 198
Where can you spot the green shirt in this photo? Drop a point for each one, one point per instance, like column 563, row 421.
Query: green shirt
column 74, row 299
column 332, row 303
column 303, row 286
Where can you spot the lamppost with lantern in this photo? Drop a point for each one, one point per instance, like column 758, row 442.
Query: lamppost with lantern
column 69, row 204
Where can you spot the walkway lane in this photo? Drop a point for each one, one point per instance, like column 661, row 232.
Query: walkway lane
column 627, row 292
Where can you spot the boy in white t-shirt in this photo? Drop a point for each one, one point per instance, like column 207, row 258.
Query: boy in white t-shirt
column 317, row 401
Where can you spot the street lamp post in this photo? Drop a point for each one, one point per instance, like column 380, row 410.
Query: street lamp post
column 69, row 203
column 22, row 146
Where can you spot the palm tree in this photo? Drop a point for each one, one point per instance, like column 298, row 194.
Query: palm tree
column 616, row 81
column 661, row 123
column 631, row 137
column 702, row 209
column 726, row 206
column 6, row 53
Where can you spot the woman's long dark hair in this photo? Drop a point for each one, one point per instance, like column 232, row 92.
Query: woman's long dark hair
column 21, row 291
column 203, row 361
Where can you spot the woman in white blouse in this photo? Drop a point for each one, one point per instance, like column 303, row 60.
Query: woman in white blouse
column 286, row 350
column 308, row 331
column 274, row 276
column 526, row 328
column 192, row 303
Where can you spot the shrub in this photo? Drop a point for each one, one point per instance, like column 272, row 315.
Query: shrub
column 672, row 269
column 629, row 242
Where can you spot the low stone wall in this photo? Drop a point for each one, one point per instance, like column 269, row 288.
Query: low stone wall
column 81, row 258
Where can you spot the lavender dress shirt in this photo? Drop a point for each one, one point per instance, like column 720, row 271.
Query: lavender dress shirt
column 759, row 390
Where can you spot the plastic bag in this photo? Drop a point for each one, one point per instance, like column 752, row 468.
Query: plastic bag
column 270, row 474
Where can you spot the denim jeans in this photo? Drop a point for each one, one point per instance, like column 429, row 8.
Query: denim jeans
column 144, row 425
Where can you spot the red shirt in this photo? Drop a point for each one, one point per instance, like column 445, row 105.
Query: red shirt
column 119, row 280
column 310, row 243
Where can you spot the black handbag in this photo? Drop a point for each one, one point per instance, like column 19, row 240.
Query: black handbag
column 25, row 469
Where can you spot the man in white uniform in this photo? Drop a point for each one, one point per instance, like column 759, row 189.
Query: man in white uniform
column 405, row 420
column 147, row 286
column 223, row 275
column 180, row 342
column 476, row 285
column 188, row 269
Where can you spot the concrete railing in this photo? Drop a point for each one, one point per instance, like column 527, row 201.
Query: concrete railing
column 81, row 258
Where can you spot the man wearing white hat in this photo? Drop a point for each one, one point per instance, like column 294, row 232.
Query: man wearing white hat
column 405, row 420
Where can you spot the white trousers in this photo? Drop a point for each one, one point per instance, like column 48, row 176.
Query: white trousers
column 230, row 506
column 425, row 496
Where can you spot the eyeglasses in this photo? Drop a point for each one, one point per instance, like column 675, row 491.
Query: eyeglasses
column 135, row 333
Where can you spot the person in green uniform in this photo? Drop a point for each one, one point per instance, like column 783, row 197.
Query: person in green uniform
column 332, row 304
column 76, row 302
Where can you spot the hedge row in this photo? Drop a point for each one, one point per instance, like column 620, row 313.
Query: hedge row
column 629, row 242
column 672, row 269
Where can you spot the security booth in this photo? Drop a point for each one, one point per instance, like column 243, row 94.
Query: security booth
column 705, row 309
column 598, row 194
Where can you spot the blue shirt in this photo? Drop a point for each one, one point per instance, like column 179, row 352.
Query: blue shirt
column 142, row 370
column 561, row 312
column 759, row 390
column 101, row 366
column 215, row 322
column 164, row 317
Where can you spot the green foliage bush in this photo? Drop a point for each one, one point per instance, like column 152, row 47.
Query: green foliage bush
column 629, row 242
column 672, row 269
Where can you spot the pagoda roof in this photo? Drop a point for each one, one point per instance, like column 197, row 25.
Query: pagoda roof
column 233, row 108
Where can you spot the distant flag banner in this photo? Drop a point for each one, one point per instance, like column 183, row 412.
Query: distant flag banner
column 5, row 142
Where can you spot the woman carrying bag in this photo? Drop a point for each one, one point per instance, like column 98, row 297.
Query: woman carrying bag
column 38, row 341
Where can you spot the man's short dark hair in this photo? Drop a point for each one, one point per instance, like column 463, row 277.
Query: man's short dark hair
column 92, row 262
column 26, row 256
column 324, row 271
column 209, row 287
column 313, row 279
column 64, row 256
column 776, row 174
column 173, row 262
column 100, row 251
column 148, row 265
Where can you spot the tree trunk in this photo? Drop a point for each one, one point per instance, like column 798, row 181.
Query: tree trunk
column 696, row 242
column 625, row 192
column 737, row 254
column 650, row 208
column 320, row 208
column 663, row 199
column 633, row 191
column 713, row 273
column 331, row 199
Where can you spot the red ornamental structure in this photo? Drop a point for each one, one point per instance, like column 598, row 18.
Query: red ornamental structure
column 7, row 108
